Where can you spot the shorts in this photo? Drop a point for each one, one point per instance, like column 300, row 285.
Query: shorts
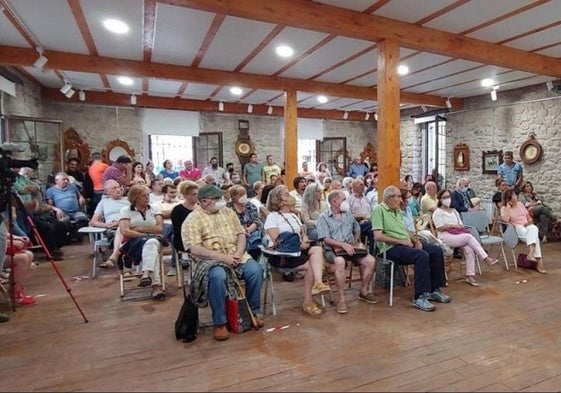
column 329, row 256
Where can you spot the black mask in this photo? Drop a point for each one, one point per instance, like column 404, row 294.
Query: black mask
column 231, row 170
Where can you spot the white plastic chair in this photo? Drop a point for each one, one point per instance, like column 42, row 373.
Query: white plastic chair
column 510, row 237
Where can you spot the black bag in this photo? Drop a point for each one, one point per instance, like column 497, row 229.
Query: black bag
column 382, row 277
column 187, row 322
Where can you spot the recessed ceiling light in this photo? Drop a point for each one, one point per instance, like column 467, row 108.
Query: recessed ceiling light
column 284, row 51
column 322, row 99
column 125, row 80
column 487, row 82
column 116, row 26
column 237, row 91
column 402, row 69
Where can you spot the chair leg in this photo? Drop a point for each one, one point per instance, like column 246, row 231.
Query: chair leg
column 392, row 266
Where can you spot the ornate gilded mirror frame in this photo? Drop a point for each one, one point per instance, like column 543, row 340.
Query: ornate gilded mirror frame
column 114, row 149
column 74, row 147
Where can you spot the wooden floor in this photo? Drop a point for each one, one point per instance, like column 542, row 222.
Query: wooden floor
column 502, row 336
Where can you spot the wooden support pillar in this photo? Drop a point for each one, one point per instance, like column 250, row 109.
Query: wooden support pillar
column 290, row 137
column 389, row 153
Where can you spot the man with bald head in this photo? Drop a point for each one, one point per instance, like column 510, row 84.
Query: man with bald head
column 429, row 202
column 405, row 248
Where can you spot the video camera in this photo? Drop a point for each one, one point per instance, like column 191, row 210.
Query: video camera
column 7, row 176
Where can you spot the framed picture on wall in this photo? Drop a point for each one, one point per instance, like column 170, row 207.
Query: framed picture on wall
column 491, row 161
column 461, row 157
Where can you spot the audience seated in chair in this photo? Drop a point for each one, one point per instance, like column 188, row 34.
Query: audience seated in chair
column 461, row 199
column 68, row 203
column 188, row 190
column 448, row 225
column 338, row 229
column 140, row 224
column 361, row 209
column 541, row 213
column 502, row 186
column 166, row 205
column 313, row 205
column 310, row 261
column 20, row 265
column 107, row 214
column 429, row 201
column 403, row 248
column 249, row 218
column 514, row 212
column 214, row 236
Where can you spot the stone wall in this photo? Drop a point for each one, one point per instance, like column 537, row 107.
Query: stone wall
column 504, row 125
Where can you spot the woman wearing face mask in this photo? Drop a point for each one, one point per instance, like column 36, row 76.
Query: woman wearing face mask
column 310, row 261
column 249, row 218
column 452, row 232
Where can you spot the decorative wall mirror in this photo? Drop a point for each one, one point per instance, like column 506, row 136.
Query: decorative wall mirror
column 116, row 148
column 74, row 147
column 461, row 157
column 368, row 155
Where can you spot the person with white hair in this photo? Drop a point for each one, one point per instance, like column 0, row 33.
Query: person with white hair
column 461, row 200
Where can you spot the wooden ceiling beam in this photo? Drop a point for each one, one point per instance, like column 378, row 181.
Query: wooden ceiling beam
column 23, row 57
column 329, row 19
column 117, row 99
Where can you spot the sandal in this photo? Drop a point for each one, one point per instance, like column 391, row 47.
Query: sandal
column 311, row 308
column 145, row 282
column 108, row 264
column 159, row 295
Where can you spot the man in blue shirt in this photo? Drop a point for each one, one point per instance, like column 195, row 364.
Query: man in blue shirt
column 510, row 171
column 67, row 202
column 357, row 168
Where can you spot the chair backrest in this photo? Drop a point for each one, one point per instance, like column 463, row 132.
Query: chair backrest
column 509, row 235
column 490, row 208
column 477, row 219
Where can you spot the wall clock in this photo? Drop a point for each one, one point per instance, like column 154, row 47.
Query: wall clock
column 531, row 150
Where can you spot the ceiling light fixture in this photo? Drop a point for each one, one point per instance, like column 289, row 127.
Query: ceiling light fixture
column 284, row 51
column 82, row 95
column 221, row 106
column 133, row 99
column 367, row 116
column 346, row 115
column 237, row 91
column 402, row 69
column 116, row 26
column 487, row 82
column 448, row 103
column 270, row 110
column 250, row 108
column 66, row 87
column 322, row 99
column 125, row 80
column 41, row 60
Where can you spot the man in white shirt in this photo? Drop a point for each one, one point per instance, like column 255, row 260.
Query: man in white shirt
column 361, row 209
column 156, row 193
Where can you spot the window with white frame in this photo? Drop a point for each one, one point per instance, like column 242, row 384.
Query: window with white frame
column 435, row 149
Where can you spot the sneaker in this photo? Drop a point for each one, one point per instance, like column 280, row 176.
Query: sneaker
column 171, row 272
column 342, row 308
column 320, row 288
column 438, row 296
column 423, row 304
column 368, row 298
column 221, row 333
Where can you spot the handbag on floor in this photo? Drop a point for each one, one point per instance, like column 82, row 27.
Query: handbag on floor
column 525, row 263
column 187, row 322
column 238, row 315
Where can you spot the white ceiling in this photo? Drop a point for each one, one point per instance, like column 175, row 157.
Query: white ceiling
column 184, row 36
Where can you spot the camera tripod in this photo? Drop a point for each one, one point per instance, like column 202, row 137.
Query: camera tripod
column 13, row 196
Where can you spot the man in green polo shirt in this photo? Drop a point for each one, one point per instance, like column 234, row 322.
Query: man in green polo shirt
column 252, row 171
column 404, row 248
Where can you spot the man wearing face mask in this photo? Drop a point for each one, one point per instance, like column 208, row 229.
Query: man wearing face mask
column 337, row 227
column 216, row 171
column 461, row 200
column 216, row 239
column 405, row 248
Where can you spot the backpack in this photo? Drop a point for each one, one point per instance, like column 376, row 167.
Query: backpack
column 187, row 322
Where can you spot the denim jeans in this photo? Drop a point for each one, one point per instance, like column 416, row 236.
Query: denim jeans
column 429, row 265
column 253, row 276
column 168, row 234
